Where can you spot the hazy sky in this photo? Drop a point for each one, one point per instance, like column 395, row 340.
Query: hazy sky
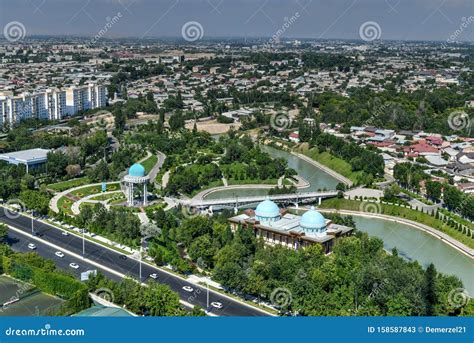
column 397, row 19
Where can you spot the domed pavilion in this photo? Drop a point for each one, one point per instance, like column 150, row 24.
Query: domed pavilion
column 135, row 183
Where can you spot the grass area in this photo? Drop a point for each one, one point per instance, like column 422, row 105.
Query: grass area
column 149, row 163
column 338, row 165
column 402, row 212
column 105, row 197
column 62, row 186
column 83, row 192
column 64, row 205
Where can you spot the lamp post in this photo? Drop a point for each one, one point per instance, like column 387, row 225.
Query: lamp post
column 207, row 302
column 147, row 230
column 32, row 223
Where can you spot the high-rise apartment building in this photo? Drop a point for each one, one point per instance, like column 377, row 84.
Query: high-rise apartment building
column 51, row 104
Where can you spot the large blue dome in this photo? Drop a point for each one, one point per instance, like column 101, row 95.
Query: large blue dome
column 312, row 220
column 137, row 170
column 267, row 209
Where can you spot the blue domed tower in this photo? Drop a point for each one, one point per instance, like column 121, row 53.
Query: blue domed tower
column 136, row 182
column 267, row 211
column 313, row 223
column 137, row 170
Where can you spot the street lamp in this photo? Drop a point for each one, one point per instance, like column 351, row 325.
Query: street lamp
column 32, row 223
column 207, row 303
column 147, row 230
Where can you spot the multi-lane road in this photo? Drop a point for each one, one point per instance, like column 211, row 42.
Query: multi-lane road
column 49, row 239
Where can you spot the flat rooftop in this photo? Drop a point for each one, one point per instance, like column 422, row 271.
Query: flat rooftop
column 30, row 156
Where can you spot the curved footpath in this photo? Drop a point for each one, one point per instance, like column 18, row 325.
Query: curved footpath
column 53, row 204
column 301, row 184
column 76, row 206
column 327, row 170
column 438, row 234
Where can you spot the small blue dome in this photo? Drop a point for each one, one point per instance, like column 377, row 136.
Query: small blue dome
column 137, row 170
column 312, row 219
column 267, row 209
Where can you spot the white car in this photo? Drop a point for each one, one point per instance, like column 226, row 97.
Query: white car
column 216, row 304
column 65, row 233
column 74, row 265
column 154, row 276
column 188, row 289
column 31, row 246
column 59, row 254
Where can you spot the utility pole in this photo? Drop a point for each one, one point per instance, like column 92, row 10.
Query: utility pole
column 141, row 243
column 207, row 302
column 32, row 223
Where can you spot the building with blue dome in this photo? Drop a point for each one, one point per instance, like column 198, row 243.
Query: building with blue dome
column 137, row 170
column 313, row 222
column 276, row 226
column 134, row 185
column 267, row 211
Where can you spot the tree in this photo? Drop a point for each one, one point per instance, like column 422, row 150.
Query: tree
column 56, row 164
column 176, row 121
column 434, row 190
column 202, row 248
column 452, row 197
column 197, row 311
column 3, row 232
column 430, row 290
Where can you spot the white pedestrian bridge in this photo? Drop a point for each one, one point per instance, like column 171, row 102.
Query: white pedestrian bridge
column 235, row 202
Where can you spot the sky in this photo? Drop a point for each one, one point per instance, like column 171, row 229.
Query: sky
column 201, row 19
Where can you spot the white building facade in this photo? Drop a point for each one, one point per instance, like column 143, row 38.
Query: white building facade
column 52, row 104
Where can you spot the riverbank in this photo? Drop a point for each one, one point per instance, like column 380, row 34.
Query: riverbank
column 324, row 168
column 301, row 184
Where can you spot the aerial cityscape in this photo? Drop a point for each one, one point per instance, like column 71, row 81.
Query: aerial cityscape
column 195, row 171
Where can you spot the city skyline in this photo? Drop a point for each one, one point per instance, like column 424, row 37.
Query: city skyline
column 298, row 19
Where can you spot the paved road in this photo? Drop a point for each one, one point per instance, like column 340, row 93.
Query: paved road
column 119, row 263
column 156, row 168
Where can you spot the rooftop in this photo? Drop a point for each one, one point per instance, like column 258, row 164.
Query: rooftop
column 26, row 156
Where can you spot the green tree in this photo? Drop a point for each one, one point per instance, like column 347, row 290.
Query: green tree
column 430, row 290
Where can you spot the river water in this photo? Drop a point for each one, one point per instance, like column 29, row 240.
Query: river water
column 411, row 243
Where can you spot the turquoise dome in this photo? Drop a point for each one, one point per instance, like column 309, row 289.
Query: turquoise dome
column 137, row 170
column 312, row 220
column 267, row 209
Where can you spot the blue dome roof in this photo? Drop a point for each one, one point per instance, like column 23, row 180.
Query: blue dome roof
column 312, row 219
column 137, row 170
column 267, row 209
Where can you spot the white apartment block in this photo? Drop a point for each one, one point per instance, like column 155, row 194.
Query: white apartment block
column 82, row 98
column 51, row 104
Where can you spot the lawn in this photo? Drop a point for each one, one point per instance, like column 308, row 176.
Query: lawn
column 83, row 192
column 334, row 163
column 105, row 197
column 149, row 163
column 64, row 205
column 402, row 212
column 62, row 186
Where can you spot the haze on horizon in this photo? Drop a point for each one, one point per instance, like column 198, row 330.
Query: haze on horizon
column 319, row 19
